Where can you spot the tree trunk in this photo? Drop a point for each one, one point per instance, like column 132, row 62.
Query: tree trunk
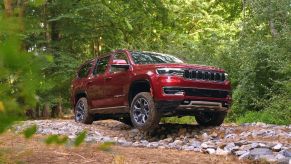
column 37, row 110
column 59, row 110
column 8, row 8
column 30, row 113
column 45, row 111
column 273, row 30
column 47, row 34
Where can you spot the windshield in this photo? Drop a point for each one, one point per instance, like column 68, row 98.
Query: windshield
column 153, row 58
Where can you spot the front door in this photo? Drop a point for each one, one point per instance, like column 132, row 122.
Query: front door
column 117, row 82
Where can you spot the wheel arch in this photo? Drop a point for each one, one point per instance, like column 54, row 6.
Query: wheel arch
column 79, row 95
column 137, row 86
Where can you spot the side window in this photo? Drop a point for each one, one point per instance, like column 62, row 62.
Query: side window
column 119, row 56
column 84, row 71
column 101, row 65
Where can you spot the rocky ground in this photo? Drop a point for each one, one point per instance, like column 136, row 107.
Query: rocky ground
column 254, row 141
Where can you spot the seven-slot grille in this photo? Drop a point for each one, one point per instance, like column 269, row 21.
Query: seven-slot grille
column 204, row 75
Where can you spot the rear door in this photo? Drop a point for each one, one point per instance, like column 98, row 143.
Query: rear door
column 81, row 80
column 95, row 86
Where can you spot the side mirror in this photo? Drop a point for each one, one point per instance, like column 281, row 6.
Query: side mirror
column 120, row 64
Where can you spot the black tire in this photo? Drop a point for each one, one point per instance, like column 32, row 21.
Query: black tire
column 82, row 112
column 210, row 118
column 151, row 117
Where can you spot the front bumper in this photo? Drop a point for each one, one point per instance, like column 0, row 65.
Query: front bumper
column 175, row 93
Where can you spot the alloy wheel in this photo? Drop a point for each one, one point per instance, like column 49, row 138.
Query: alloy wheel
column 141, row 110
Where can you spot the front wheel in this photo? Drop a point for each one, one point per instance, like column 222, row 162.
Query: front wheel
column 143, row 113
column 82, row 112
column 210, row 118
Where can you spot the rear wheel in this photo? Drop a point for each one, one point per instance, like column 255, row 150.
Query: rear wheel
column 210, row 118
column 82, row 112
column 144, row 116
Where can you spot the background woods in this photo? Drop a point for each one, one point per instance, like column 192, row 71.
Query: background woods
column 42, row 42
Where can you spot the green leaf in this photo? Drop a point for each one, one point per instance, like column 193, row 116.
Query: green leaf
column 29, row 132
column 56, row 139
column 51, row 139
column 80, row 138
column 106, row 146
column 62, row 140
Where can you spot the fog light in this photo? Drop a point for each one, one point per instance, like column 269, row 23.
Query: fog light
column 174, row 91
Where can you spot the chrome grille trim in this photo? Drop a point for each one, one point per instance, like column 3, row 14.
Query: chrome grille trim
column 204, row 75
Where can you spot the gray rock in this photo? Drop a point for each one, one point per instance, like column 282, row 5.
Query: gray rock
column 229, row 130
column 126, row 143
column 229, row 147
column 280, row 156
column 245, row 134
column 254, row 145
column 196, row 144
column 220, row 151
column 260, row 124
column 144, row 142
column 136, row 144
column 210, row 151
column 244, row 156
column 168, row 140
column 241, row 142
column 213, row 135
column 256, row 153
column 205, row 136
column 197, row 150
column 246, row 147
column 277, row 147
column 206, row 145
column 262, row 145
column 178, row 142
column 188, row 148
column 284, row 161
column 268, row 158
column 240, row 152
column 287, row 153
column 230, row 136
column 153, row 144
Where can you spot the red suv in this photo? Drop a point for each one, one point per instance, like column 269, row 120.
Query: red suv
column 138, row 87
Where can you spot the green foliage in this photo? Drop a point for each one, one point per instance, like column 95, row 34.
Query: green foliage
column 56, row 139
column 19, row 74
column 277, row 113
column 29, row 132
column 261, row 71
column 106, row 146
column 80, row 138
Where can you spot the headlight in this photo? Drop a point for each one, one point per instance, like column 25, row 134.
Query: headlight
column 171, row 71
column 225, row 76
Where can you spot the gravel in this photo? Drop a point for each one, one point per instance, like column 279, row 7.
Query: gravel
column 255, row 141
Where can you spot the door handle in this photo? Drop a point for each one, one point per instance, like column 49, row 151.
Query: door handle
column 108, row 78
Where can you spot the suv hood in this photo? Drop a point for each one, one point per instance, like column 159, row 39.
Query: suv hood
column 179, row 65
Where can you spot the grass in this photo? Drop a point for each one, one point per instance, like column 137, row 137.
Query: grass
column 181, row 120
column 270, row 117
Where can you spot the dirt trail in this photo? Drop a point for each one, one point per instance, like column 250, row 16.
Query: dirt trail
column 15, row 149
column 255, row 141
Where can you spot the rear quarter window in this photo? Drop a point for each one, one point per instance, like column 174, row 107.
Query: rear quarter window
column 84, row 70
